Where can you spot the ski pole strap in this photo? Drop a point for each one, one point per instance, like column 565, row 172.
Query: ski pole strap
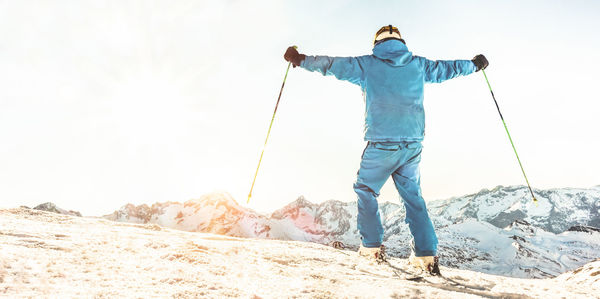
column 510, row 138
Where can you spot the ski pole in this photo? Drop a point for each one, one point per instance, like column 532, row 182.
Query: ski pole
column 509, row 138
column 269, row 131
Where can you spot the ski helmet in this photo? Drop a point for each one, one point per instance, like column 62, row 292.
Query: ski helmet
column 387, row 33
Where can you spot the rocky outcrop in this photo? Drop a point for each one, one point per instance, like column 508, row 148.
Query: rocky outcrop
column 583, row 228
column 51, row 207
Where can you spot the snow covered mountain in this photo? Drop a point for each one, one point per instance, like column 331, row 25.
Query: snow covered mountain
column 49, row 255
column 558, row 209
column 496, row 232
column 219, row 213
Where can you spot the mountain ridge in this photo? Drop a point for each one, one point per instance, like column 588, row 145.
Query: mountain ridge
column 496, row 231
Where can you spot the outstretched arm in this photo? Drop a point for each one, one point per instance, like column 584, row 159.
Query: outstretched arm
column 343, row 68
column 442, row 70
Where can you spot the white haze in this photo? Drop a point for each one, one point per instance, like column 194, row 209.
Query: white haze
column 108, row 102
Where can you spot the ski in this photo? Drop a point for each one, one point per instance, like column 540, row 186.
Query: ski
column 383, row 260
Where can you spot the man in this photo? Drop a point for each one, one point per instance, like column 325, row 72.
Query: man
column 392, row 81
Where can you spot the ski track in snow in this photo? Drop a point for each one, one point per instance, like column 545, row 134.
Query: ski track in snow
column 43, row 254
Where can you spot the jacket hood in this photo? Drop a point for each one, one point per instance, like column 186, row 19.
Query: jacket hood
column 393, row 52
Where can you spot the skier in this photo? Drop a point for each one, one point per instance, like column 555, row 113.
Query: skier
column 391, row 80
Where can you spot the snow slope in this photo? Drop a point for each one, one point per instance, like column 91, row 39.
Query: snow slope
column 45, row 254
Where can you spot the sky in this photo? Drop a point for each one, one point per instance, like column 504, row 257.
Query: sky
column 104, row 103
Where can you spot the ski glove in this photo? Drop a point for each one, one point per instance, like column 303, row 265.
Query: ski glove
column 480, row 62
column 293, row 56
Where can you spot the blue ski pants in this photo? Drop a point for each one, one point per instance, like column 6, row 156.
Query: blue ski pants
column 400, row 160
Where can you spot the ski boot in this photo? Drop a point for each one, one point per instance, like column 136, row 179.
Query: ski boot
column 430, row 264
column 376, row 253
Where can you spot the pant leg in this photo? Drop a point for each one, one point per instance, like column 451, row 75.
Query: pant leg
column 378, row 163
column 408, row 182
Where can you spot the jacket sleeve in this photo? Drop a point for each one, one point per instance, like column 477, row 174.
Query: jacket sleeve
column 442, row 70
column 343, row 68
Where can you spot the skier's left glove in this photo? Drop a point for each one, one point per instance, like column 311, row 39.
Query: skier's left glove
column 480, row 62
column 293, row 56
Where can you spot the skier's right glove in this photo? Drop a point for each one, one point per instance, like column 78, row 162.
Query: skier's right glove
column 480, row 62
column 293, row 56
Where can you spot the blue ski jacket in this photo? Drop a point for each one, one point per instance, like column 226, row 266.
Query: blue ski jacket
column 392, row 81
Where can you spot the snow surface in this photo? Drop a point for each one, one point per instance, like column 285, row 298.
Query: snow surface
column 45, row 254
